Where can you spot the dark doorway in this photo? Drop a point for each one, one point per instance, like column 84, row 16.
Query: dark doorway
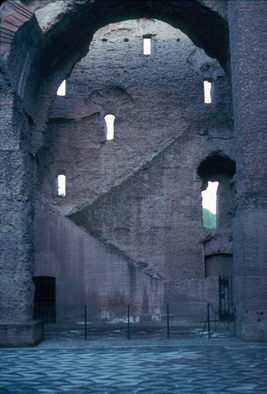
column 226, row 310
column 45, row 299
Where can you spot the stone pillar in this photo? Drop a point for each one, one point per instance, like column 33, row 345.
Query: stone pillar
column 247, row 24
column 16, row 230
column 224, row 203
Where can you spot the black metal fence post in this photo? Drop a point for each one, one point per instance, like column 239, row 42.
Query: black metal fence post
column 208, row 318
column 85, row 322
column 128, row 321
column 168, row 322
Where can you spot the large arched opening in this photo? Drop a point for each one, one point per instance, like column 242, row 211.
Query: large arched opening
column 53, row 55
column 50, row 52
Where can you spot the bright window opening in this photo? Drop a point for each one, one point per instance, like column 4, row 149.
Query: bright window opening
column 207, row 92
column 62, row 89
column 146, row 46
column 61, row 185
column 209, row 203
column 109, row 127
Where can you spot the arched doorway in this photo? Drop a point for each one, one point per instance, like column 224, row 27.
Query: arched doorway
column 45, row 299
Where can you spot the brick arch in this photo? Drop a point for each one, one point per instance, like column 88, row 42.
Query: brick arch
column 216, row 164
column 204, row 27
column 38, row 60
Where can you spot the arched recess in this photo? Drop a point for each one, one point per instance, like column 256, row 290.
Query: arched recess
column 219, row 264
column 217, row 246
column 215, row 164
column 218, row 167
column 50, row 52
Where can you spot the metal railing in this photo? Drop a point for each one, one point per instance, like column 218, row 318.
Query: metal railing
column 213, row 323
column 128, row 322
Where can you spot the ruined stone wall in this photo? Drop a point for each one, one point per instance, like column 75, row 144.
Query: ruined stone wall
column 36, row 53
column 249, row 93
column 16, row 195
column 134, row 203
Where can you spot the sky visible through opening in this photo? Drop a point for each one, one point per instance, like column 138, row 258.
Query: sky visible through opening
column 209, row 197
column 207, row 92
column 110, row 126
column 62, row 89
column 61, row 185
column 147, row 46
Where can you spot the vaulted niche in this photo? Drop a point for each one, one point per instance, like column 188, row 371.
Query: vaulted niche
column 216, row 172
column 219, row 264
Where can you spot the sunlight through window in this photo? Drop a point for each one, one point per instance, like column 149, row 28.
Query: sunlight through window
column 207, row 92
column 61, row 185
column 147, row 46
column 62, row 89
column 209, row 202
column 109, row 127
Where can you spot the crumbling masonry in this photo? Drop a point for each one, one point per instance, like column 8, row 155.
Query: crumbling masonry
column 128, row 228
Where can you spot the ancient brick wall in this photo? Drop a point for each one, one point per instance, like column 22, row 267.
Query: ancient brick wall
column 138, row 197
column 117, row 190
column 249, row 93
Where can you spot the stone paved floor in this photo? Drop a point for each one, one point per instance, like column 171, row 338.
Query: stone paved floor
column 155, row 365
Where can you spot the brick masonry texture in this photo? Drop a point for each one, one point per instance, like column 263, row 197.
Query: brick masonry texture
column 129, row 230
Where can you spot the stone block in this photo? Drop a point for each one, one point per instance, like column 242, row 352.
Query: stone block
column 21, row 334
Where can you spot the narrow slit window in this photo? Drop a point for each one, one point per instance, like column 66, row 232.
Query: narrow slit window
column 147, row 45
column 62, row 89
column 207, row 92
column 209, row 203
column 61, row 185
column 109, row 119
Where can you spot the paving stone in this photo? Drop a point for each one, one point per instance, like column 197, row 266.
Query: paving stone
column 192, row 366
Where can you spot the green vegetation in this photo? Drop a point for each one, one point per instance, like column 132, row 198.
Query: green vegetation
column 209, row 218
